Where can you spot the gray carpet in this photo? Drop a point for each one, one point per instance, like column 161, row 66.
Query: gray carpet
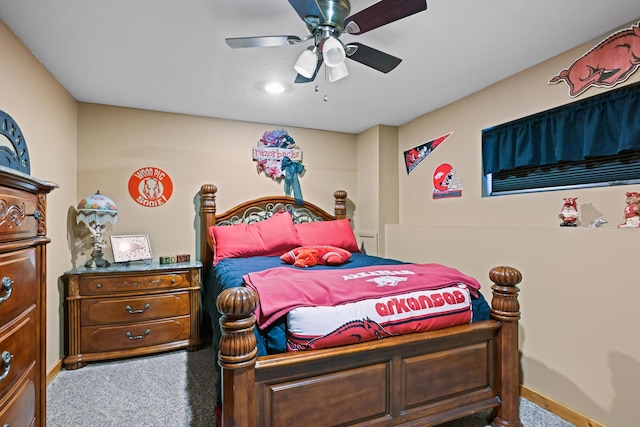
column 169, row 390
column 173, row 389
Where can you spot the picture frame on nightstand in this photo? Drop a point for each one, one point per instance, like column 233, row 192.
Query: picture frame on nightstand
column 133, row 247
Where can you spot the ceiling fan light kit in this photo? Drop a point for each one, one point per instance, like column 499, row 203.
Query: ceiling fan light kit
column 307, row 62
column 326, row 21
column 333, row 52
column 338, row 72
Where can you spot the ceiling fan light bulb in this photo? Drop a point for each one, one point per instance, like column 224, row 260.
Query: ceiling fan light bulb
column 338, row 72
column 306, row 63
column 333, row 52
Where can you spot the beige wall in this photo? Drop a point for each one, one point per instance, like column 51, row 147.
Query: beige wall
column 114, row 142
column 47, row 116
column 388, row 209
column 377, row 177
column 368, row 184
column 579, row 326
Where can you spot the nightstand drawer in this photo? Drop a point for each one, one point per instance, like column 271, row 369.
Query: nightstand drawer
column 143, row 334
column 17, row 340
column 109, row 311
column 108, row 285
column 18, row 284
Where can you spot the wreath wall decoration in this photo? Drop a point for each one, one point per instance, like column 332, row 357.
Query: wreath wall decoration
column 278, row 157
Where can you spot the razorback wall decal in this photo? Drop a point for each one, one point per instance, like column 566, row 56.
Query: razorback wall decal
column 609, row 63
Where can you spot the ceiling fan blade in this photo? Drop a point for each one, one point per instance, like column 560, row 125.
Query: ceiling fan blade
column 302, row 79
column 242, row 42
column 372, row 57
column 306, row 8
column 382, row 13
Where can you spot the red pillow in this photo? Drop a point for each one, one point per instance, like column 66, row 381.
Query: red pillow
column 326, row 255
column 336, row 233
column 271, row 237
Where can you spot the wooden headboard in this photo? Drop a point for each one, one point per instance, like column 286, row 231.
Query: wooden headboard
column 258, row 210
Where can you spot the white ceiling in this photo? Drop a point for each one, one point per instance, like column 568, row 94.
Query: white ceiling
column 170, row 55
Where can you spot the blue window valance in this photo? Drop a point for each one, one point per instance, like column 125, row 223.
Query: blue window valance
column 603, row 125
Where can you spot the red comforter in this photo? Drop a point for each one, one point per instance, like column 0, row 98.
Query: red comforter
column 283, row 289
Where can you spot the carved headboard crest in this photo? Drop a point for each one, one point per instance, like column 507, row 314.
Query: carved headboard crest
column 256, row 214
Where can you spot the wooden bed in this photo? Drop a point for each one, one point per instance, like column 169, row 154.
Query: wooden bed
column 420, row 379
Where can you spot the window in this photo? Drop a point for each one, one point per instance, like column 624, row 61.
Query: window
column 593, row 142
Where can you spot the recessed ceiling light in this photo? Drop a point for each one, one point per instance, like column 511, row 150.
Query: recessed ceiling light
column 274, row 87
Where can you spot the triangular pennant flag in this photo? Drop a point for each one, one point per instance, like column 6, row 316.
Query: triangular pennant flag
column 414, row 156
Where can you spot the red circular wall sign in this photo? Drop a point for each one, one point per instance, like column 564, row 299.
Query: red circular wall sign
column 150, row 187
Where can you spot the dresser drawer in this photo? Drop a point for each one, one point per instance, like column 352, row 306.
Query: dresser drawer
column 143, row 334
column 18, row 284
column 110, row 311
column 17, row 220
column 113, row 283
column 20, row 408
column 18, row 337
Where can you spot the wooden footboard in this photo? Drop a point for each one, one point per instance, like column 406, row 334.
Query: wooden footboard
column 419, row 379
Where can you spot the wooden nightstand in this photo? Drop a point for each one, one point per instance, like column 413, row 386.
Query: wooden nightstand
column 122, row 311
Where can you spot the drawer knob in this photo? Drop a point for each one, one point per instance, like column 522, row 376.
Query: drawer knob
column 138, row 337
column 142, row 310
column 7, row 286
column 6, row 361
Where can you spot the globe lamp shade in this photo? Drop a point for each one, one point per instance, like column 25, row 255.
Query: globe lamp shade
column 95, row 212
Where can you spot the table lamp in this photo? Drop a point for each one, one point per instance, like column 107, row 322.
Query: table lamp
column 95, row 212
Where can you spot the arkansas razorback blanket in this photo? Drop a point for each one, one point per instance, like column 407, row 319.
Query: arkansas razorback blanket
column 310, row 328
column 283, row 289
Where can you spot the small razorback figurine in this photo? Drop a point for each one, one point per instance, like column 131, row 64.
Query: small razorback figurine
column 632, row 211
column 569, row 213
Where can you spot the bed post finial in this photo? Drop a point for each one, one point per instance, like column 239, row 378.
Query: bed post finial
column 208, row 198
column 237, row 356
column 207, row 219
column 238, row 343
column 340, row 204
column 506, row 309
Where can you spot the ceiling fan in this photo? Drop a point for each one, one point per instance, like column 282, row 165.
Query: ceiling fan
column 326, row 20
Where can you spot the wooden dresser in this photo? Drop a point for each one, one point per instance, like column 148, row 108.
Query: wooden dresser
column 122, row 311
column 22, row 298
